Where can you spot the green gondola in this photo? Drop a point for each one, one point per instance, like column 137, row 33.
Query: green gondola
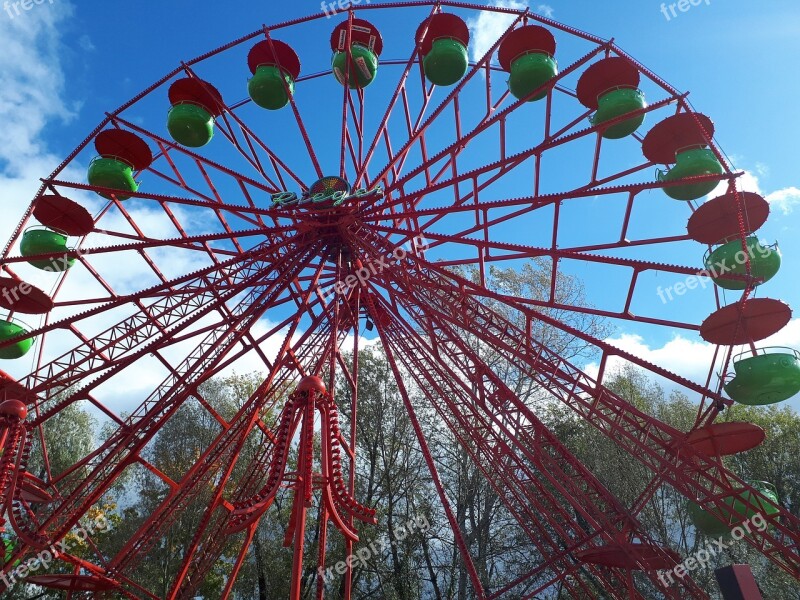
column 365, row 62
column 731, row 259
column 190, row 125
column 109, row 172
column 531, row 71
column 10, row 330
column 765, row 378
column 36, row 241
column 718, row 522
column 270, row 87
column 447, row 62
column 616, row 103
column 692, row 163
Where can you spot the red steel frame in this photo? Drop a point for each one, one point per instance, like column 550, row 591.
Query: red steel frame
column 258, row 261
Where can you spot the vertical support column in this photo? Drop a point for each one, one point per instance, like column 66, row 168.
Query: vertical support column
column 302, row 496
column 348, row 545
column 12, row 433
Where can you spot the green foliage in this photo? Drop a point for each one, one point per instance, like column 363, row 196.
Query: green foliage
column 68, row 435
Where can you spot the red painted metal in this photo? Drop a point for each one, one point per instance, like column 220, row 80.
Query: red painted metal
column 19, row 296
column 726, row 439
column 441, row 25
column 604, row 75
column 10, row 388
column 63, row 214
column 253, row 262
column 125, row 145
column 542, row 501
column 631, row 556
column 13, row 409
column 360, row 32
column 196, row 91
column 274, row 52
column 746, row 322
column 651, row 442
column 32, row 489
column 74, row 583
column 717, row 220
column 528, row 38
column 12, row 439
column 670, row 136
column 311, row 383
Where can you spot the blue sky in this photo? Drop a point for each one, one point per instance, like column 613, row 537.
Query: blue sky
column 65, row 64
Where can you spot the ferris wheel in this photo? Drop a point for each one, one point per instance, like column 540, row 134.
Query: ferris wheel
column 294, row 208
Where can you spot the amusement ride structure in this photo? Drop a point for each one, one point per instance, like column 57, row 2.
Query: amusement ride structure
column 253, row 227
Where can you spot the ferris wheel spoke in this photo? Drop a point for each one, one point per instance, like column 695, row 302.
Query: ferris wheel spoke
column 301, row 126
column 576, row 485
column 484, row 252
column 500, row 168
column 253, row 143
column 198, row 243
column 144, row 422
column 417, row 134
column 435, row 400
column 173, row 302
column 291, row 354
column 248, row 494
column 205, row 167
column 216, row 462
column 201, row 162
column 478, row 429
column 382, row 132
column 249, row 214
column 176, row 375
column 450, row 153
column 522, row 206
column 435, row 387
column 468, row 202
column 656, row 445
column 440, row 282
column 347, row 101
column 458, row 534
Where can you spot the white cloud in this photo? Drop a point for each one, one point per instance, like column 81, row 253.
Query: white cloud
column 33, row 103
column 748, row 182
column 85, row 42
column 31, row 97
column 785, row 200
column 762, row 169
column 488, row 26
